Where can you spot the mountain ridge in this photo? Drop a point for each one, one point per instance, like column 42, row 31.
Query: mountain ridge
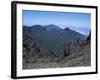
column 53, row 40
column 52, row 27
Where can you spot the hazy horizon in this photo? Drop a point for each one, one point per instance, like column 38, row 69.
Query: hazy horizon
column 80, row 22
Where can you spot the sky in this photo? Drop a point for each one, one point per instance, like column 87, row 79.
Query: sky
column 80, row 22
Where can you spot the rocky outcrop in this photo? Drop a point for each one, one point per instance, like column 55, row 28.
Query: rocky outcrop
column 89, row 37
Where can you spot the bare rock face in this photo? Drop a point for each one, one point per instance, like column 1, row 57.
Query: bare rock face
column 67, row 49
column 44, row 51
column 73, row 46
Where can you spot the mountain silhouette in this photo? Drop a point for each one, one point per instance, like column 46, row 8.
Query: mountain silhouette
column 53, row 38
column 52, row 27
column 52, row 47
column 67, row 29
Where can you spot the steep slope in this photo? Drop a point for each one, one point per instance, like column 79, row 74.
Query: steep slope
column 80, row 57
column 43, row 46
column 53, row 40
column 77, row 34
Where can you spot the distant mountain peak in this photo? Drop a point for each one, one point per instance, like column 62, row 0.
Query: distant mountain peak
column 67, row 29
column 52, row 27
column 36, row 26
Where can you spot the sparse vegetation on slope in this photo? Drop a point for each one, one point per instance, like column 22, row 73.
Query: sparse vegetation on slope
column 60, row 48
